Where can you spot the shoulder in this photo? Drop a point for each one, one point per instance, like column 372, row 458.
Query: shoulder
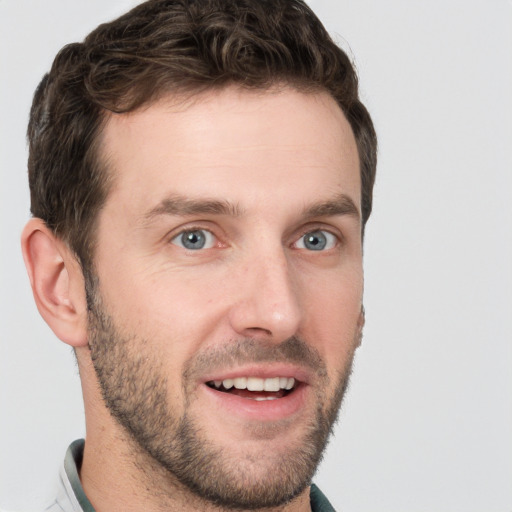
column 55, row 506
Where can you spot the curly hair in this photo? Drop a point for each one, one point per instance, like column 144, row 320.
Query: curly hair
column 163, row 47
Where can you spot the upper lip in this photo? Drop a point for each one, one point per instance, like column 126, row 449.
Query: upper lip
column 262, row 371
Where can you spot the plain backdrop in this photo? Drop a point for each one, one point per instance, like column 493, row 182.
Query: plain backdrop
column 427, row 424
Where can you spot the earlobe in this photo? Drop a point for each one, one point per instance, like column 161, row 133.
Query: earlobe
column 57, row 282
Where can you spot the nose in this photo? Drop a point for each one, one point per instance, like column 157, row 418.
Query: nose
column 267, row 302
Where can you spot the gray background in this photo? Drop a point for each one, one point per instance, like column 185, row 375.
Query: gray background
column 427, row 425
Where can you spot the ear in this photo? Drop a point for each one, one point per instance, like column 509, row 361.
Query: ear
column 57, row 282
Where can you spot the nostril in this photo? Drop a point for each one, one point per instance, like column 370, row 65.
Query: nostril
column 254, row 331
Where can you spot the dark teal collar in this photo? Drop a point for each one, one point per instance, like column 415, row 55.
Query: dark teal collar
column 73, row 462
column 319, row 503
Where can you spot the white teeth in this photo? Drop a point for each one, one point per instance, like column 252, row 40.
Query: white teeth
column 255, row 384
column 240, row 383
column 290, row 383
column 264, row 398
column 228, row 383
column 272, row 384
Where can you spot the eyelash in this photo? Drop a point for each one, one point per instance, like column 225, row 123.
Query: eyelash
column 333, row 240
column 192, row 229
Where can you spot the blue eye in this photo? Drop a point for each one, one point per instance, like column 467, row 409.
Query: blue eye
column 194, row 239
column 317, row 240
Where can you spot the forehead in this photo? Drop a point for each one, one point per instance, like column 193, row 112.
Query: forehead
column 250, row 147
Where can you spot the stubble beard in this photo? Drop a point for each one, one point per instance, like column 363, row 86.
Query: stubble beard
column 134, row 386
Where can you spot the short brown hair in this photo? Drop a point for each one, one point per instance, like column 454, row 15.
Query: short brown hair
column 172, row 46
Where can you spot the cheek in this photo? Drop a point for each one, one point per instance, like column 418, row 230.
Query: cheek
column 333, row 308
column 176, row 311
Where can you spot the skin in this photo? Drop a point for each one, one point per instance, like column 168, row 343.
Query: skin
column 274, row 157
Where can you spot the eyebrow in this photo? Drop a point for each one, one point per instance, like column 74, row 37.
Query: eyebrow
column 341, row 204
column 182, row 206
column 178, row 205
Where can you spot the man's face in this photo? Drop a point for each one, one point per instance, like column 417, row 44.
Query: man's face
column 229, row 285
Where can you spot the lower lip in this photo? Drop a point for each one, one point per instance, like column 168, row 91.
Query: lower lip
column 264, row 410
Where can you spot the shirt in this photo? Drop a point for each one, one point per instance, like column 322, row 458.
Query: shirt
column 71, row 496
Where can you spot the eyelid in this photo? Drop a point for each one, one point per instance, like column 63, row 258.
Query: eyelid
column 318, row 226
column 219, row 240
column 332, row 241
column 196, row 226
column 209, row 239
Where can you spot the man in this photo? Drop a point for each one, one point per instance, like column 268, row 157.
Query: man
column 201, row 173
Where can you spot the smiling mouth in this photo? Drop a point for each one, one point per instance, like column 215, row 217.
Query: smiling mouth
column 255, row 388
